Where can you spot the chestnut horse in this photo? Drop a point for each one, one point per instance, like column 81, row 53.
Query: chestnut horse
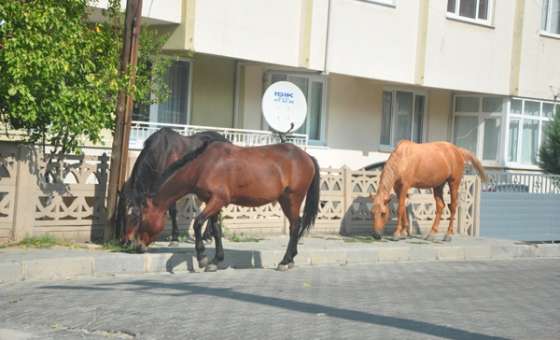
column 221, row 174
column 428, row 165
column 161, row 149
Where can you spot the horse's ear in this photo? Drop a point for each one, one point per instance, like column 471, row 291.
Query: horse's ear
column 149, row 202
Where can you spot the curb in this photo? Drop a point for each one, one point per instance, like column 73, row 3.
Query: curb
column 62, row 268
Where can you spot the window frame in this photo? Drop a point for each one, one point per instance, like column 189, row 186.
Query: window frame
column 482, row 116
column 546, row 14
column 522, row 117
column 311, row 77
column 153, row 108
column 415, row 92
column 488, row 22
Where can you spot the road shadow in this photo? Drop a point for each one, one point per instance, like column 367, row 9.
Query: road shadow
column 186, row 288
column 180, row 258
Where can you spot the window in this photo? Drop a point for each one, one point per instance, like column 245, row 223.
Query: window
column 402, row 117
column 478, row 125
column 176, row 108
column 313, row 87
column 527, row 129
column 551, row 16
column 470, row 10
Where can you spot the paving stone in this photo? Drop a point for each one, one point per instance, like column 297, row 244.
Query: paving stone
column 362, row 256
column 450, row 253
column 422, row 253
column 119, row 264
column 11, row 272
column 392, row 254
column 330, row 257
column 477, row 252
column 56, row 269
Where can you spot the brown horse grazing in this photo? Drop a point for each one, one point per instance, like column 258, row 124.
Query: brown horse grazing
column 428, row 165
column 220, row 174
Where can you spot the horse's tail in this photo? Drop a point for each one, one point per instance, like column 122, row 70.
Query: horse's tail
column 311, row 208
column 469, row 157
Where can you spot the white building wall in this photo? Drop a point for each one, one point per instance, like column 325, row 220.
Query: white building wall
column 539, row 75
column 469, row 57
column 156, row 11
column 258, row 30
column 373, row 41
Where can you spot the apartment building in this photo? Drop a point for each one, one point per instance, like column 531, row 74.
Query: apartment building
column 484, row 74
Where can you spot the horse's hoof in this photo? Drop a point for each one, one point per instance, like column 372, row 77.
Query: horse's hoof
column 283, row 267
column 203, row 262
column 429, row 237
column 211, row 268
column 447, row 238
column 173, row 244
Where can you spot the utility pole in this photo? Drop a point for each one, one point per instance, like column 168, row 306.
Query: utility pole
column 119, row 152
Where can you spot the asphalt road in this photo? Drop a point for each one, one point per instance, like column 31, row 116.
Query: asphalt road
column 454, row 300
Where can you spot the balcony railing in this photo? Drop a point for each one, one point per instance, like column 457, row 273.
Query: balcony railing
column 140, row 131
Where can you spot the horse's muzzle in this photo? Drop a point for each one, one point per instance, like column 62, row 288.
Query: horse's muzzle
column 376, row 235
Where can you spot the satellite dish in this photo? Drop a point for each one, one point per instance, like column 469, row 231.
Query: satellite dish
column 284, row 106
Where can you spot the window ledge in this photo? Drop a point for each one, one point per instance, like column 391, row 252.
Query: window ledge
column 522, row 166
column 392, row 4
column 481, row 23
column 386, row 148
column 550, row 35
column 320, row 145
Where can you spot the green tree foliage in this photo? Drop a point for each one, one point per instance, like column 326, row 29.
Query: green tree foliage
column 549, row 153
column 59, row 73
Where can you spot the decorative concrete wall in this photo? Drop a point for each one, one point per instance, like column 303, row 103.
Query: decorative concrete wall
column 32, row 203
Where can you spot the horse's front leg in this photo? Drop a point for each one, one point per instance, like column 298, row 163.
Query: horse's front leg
column 401, row 218
column 219, row 255
column 213, row 206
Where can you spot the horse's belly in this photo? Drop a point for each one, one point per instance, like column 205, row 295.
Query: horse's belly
column 252, row 201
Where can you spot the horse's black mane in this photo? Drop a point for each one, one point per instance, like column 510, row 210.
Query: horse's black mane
column 179, row 164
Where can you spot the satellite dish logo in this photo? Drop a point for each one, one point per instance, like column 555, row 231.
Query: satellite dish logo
column 283, row 97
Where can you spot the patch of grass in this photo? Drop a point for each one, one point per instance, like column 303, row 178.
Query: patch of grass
column 361, row 238
column 44, row 241
column 115, row 246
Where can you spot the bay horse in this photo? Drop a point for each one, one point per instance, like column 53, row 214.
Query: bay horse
column 221, row 174
column 161, row 149
column 428, row 165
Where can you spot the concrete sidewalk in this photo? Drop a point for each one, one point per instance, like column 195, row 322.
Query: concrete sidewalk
column 18, row 264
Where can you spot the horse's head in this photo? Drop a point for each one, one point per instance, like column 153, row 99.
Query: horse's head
column 142, row 224
column 380, row 212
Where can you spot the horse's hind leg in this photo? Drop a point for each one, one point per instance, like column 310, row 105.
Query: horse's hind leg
column 212, row 207
column 290, row 206
column 440, row 204
column 454, row 193
column 175, row 228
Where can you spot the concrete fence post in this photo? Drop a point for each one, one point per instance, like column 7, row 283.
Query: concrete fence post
column 25, row 193
column 476, row 208
column 346, row 198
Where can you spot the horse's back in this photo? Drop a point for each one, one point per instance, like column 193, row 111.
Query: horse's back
column 269, row 169
column 428, row 163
